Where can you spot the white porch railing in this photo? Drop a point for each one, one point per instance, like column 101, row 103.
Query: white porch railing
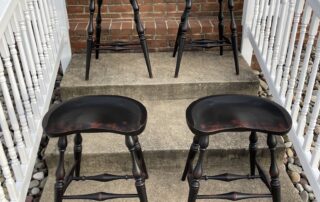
column 34, row 40
column 283, row 43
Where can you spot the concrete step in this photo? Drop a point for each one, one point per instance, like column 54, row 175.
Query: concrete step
column 166, row 137
column 202, row 73
column 164, row 184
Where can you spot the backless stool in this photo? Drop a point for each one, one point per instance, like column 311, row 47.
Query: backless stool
column 116, row 46
column 92, row 114
column 222, row 113
column 206, row 43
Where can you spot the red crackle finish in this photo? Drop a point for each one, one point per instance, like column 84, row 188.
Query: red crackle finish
column 220, row 113
column 100, row 113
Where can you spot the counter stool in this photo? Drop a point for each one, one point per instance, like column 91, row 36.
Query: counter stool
column 222, row 113
column 116, row 46
column 207, row 43
column 114, row 114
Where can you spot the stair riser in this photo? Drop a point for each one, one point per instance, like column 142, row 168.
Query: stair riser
column 164, row 92
column 158, row 160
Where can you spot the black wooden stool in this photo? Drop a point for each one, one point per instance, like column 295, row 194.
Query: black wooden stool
column 221, row 113
column 206, row 43
column 116, row 46
column 112, row 114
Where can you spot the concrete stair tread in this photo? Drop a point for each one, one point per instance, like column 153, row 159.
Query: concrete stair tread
column 165, row 185
column 202, row 73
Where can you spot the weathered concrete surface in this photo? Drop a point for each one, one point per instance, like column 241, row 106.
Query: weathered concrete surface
column 164, row 184
column 201, row 74
column 167, row 139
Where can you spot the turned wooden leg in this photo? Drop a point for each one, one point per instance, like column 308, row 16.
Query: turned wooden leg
column 89, row 39
column 198, row 170
column 221, row 24
column 192, row 153
column 176, row 44
column 253, row 151
column 180, row 53
column 274, row 171
column 77, row 153
column 98, row 28
column 182, row 36
column 234, row 35
column 60, row 172
column 141, row 35
column 136, row 169
column 140, row 157
column 182, row 21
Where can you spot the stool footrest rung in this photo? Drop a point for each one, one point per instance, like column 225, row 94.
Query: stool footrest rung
column 234, row 196
column 103, row 177
column 228, row 177
column 100, row 196
column 116, row 46
column 264, row 176
column 208, row 43
column 226, row 39
column 68, row 179
column 118, row 43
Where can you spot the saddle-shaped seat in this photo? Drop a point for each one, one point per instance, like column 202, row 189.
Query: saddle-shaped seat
column 220, row 113
column 101, row 113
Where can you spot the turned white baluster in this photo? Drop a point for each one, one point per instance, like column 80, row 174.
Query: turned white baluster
column 50, row 27
column 283, row 53
column 46, row 33
column 24, row 94
column 296, row 20
column 29, row 55
column 15, row 163
column 316, row 152
column 257, row 29
column 2, row 196
column 285, row 42
column 40, row 23
column 5, row 54
column 294, row 70
column 53, row 24
column 272, row 35
column 312, row 123
column 303, row 71
column 268, row 28
column 9, row 182
column 255, row 17
column 278, row 41
column 263, row 24
column 27, row 77
column 41, row 69
column 308, row 96
column 56, row 20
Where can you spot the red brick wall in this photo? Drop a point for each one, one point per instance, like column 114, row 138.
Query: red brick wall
column 160, row 17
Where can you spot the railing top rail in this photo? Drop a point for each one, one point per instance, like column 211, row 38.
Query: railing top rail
column 315, row 5
column 6, row 11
